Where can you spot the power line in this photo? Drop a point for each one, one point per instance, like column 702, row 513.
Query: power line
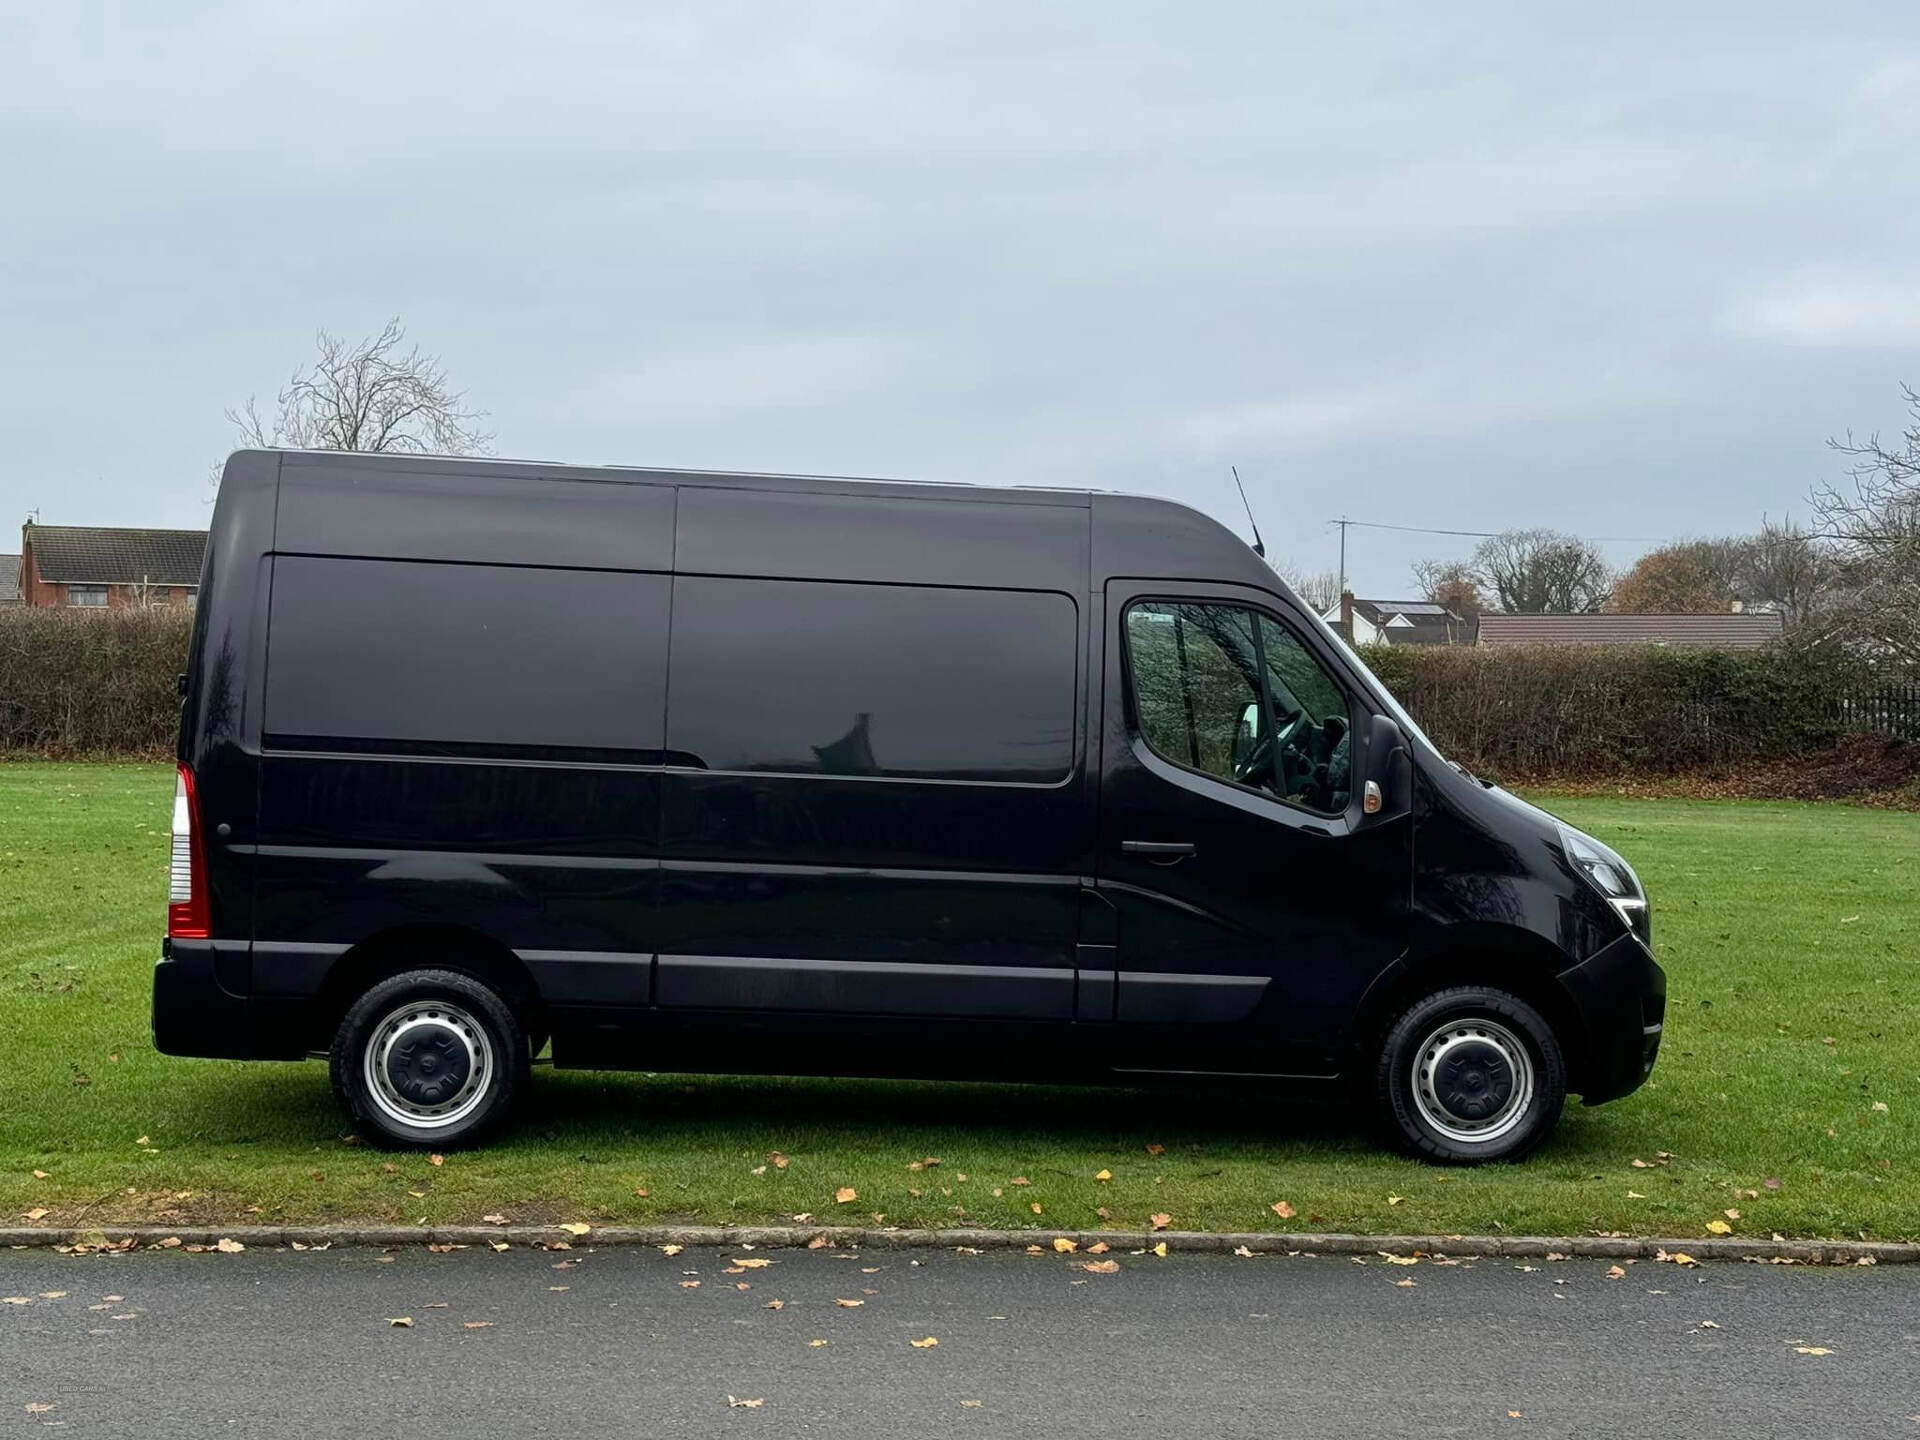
column 1491, row 534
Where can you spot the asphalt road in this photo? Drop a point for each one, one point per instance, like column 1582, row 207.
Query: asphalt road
column 270, row 1343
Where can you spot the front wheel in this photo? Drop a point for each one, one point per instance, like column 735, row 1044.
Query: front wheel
column 428, row 1060
column 1470, row 1075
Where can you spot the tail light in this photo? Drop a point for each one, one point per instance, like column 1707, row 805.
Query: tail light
column 187, row 875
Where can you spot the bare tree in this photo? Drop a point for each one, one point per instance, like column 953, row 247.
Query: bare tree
column 1873, row 524
column 1452, row 583
column 378, row 394
column 1785, row 569
column 1543, row 572
column 1318, row 588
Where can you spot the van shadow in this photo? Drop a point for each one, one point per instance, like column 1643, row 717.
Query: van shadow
column 696, row 1108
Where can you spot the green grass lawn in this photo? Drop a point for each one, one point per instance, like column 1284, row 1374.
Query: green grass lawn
column 1787, row 1089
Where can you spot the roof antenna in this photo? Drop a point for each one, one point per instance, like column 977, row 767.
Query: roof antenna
column 1259, row 545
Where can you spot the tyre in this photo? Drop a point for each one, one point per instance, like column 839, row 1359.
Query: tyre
column 429, row 1060
column 1470, row 1075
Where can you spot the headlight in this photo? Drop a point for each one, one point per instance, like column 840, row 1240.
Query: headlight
column 1612, row 876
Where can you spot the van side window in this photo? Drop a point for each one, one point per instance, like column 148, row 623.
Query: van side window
column 903, row 682
column 1229, row 693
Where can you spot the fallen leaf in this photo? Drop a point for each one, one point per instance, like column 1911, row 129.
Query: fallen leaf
column 1772, row 1182
column 1406, row 1284
column 753, row 1262
column 1881, row 1106
column 1161, row 1249
column 1635, row 1195
column 1035, row 1207
column 1401, row 1259
column 774, row 1305
column 436, row 1159
column 1161, row 1221
column 1062, row 1245
column 815, row 1344
column 1514, row 1415
column 575, row 1228
column 1282, row 1209
column 1706, row 1325
column 926, row 1344
column 1677, row 1257
column 40, row 1175
column 1100, row 1267
column 849, row 1304
column 16, row 1299
column 494, row 1219
column 1156, row 1149
column 759, row 1170
column 1099, row 1247
column 39, row 1212
column 972, row 1404
column 689, row 1284
column 818, row 1242
column 400, row 1322
column 671, row 1250
column 228, row 1247
column 1020, row 1180
column 1719, row 1227
column 1243, row 1252
column 1614, row 1272
column 1104, row 1175
column 476, row 1324
column 734, row 1402
column 1812, row 1350
column 845, row 1194
column 780, row 1162
column 1395, row 1199
column 501, row 1245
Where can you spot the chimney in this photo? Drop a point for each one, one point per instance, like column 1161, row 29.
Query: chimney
column 1346, row 616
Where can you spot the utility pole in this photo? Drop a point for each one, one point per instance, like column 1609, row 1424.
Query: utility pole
column 1343, row 522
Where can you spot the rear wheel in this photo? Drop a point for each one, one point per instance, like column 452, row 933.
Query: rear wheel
column 1469, row 1075
column 429, row 1059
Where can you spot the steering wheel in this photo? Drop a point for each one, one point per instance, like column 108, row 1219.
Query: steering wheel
column 1256, row 767
column 1306, row 760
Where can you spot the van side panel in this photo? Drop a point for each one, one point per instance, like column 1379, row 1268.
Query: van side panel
column 504, row 514
column 1037, row 544
column 468, row 746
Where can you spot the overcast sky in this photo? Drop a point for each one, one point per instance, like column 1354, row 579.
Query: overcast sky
column 1619, row 272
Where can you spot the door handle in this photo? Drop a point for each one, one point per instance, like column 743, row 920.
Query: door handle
column 1162, row 851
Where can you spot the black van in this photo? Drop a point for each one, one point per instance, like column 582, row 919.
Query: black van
column 705, row 772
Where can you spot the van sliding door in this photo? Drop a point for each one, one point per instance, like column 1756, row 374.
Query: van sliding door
column 871, row 804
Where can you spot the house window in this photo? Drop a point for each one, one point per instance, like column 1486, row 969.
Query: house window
column 87, row 595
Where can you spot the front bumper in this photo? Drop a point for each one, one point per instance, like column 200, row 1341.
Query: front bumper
column 1620, row 992
column 196, row 1013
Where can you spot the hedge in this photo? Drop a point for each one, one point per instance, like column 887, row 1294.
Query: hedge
column 1589, row 711
column 95, row 685
column 102, row 684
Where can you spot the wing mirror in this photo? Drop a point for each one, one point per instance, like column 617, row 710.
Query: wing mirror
column 1387, row 766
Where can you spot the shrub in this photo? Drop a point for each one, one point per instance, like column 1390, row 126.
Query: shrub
column 1586, row 710
column 74, row 683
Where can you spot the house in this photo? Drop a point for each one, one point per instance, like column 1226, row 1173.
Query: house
column 9, row 580
column 1748, row 630
column 89, row 567
column 1398, row 622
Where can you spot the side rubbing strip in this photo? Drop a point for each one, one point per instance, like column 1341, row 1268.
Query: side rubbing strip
column 731, row 982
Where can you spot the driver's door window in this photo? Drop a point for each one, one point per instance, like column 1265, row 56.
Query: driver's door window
column 1223, row 691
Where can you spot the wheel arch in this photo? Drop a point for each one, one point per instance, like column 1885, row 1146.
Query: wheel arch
column 1503, row 957
column 420, row 947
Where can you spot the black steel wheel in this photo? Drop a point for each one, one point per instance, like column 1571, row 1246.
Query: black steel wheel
column 1470, row 1075
column 430, row 1060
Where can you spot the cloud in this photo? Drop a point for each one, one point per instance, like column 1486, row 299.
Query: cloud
column 1841, row 311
